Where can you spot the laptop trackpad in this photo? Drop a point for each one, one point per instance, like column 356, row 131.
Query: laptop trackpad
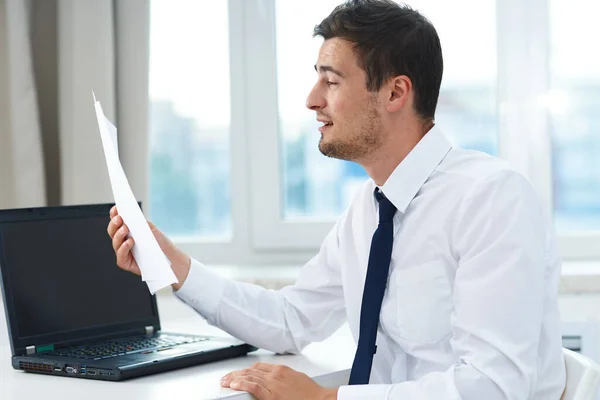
column 142, row 358
column 171, row 352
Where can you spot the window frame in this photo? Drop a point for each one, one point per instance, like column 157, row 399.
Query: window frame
column 261, row 236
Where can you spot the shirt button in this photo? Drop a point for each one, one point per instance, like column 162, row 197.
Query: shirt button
column 194, row 301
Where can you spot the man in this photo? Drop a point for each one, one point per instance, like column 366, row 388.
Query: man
column 444, row 265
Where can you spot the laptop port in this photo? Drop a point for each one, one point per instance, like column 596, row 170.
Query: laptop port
column 71, row 370
column 91, row 372
column 57, row 368
column 82, row 370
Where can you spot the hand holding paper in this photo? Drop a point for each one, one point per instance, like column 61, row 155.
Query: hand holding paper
column 154, row 265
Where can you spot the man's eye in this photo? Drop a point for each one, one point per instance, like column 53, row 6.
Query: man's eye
column 329, row 83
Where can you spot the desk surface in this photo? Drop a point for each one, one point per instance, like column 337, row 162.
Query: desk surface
column 327, row 362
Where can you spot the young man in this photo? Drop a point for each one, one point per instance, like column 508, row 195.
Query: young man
column 444, row 265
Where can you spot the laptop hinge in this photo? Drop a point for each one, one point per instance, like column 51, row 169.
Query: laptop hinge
column 30, row 350
column 149, row 330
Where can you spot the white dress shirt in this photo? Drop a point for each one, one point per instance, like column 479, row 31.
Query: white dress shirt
column 470, row 310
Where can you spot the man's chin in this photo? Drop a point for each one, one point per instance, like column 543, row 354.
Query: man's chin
column 324, row 147
column 331, row 150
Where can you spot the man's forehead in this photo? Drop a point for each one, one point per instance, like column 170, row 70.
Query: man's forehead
column 335, row 48
column 337, row 53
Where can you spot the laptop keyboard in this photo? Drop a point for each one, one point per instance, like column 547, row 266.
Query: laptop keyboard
column 121, row 347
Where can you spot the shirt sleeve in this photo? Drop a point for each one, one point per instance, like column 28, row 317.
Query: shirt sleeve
column 499, row 296
column 283, row 321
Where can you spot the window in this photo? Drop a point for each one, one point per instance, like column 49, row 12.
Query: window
column 573, row 103
column 190, row 118
column 235, row 151
column 313, row 185
column 467, row 106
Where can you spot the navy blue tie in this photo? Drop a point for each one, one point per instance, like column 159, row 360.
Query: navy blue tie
column 375, row 282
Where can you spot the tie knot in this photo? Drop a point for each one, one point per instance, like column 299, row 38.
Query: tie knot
column 386, row 208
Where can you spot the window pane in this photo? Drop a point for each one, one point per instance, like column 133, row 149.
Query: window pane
column 189, row 118
column 317, row 186
column 467, row 107
column 573, row 103
column 314, row 185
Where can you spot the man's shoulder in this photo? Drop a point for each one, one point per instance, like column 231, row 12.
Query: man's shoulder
column 468, row 168
column 478, row 180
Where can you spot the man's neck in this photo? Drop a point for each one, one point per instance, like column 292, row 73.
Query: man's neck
column 381, row 165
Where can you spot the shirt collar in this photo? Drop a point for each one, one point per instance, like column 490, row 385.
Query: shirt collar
column 409, row 176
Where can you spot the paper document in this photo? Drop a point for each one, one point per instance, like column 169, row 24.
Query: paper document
column 154, row 265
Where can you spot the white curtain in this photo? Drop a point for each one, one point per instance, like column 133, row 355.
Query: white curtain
column 53, row 53
column 21, row 164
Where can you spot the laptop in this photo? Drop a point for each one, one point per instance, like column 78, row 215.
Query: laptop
column 72, row 312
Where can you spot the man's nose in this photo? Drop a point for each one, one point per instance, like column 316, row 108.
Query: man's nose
column 315, row 101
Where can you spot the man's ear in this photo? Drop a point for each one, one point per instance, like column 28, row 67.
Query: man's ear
column 400, row 90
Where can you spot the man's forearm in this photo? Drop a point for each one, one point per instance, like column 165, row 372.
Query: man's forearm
column 181, row 269
column 330, row 394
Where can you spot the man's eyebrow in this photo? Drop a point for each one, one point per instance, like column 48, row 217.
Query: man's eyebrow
column 328, row 68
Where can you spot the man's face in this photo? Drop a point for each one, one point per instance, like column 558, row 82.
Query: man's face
column 351, row 115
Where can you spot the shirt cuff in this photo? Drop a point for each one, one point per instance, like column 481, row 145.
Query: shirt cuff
column 362, row 392
column 202, row 289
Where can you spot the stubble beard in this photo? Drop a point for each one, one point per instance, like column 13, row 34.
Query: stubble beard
column 361, row 144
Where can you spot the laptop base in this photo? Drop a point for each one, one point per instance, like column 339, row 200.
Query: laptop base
column 75, row 368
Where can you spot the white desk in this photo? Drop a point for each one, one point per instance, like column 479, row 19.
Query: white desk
column 327, row 362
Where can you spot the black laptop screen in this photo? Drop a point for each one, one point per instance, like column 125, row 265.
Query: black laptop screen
column 63, row 277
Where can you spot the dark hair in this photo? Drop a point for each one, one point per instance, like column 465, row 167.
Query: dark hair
column 390, row 39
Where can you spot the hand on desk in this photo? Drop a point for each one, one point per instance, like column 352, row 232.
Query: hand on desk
column 274, row 382
column 118, row 231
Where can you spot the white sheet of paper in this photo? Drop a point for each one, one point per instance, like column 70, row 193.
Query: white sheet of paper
column 154, row 265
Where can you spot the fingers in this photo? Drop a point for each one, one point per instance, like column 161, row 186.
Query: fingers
column 114, row 224
column 265, row 367
column 113, row 212
column 253, row 385
column 124, row 254
column 235, row 375
column 119, row 237
column 275, row 370
column 248, row 380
